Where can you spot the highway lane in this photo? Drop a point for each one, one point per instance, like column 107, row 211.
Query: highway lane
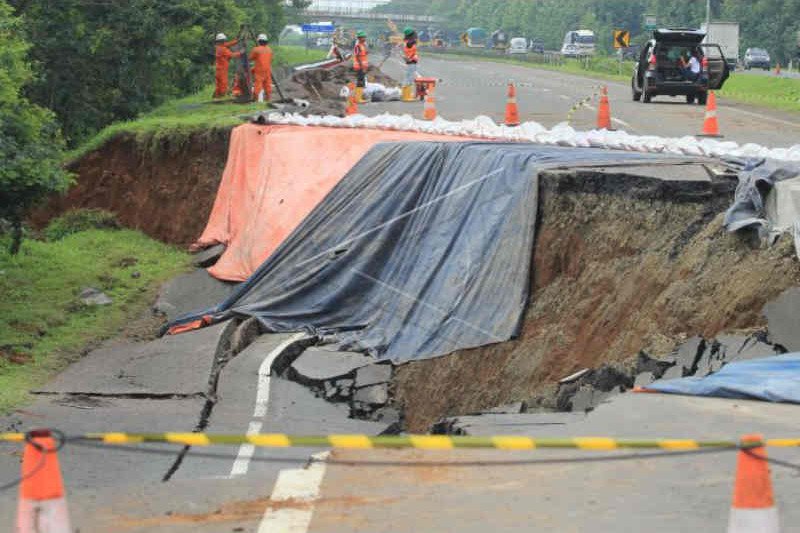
column 511, row 492
column 470, row 88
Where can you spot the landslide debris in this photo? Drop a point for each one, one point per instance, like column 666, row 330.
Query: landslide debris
column 619, row 268
column 321, row 87
column 165, row 189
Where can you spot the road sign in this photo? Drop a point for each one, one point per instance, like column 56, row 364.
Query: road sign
column 622, row 39
column 650, row 22
column 318, row 28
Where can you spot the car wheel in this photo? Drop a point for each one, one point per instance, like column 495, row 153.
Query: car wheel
column 690, row 98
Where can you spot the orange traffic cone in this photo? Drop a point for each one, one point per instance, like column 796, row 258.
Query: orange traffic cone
column 512, row 113
column 429, row 110
column 42, row 504
column 352, row 103
column 753, row 506
column 710, row 125
column 604, row 111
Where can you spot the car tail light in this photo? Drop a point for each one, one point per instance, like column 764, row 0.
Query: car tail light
column 651, row 63
column 705, row 64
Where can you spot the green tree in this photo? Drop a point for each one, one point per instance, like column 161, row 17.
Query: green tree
column 30, row 141
column 107, row 61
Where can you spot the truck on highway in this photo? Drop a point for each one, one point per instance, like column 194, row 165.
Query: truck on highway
column 498, row 40
column 726, row 35
column 476, row 38
column 579, row 43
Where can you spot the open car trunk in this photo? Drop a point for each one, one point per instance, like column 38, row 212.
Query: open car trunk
column 669, row 51
column 718, row 71
column 679, row 36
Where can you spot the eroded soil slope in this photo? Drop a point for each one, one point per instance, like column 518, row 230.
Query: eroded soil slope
column 620, row 266
column 164, row 188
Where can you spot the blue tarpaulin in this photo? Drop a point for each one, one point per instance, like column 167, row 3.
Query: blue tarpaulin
column 772, row 379
column 422, row 249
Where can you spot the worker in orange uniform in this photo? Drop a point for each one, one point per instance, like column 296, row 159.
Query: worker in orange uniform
column 261, row 58
column 412, row 58
column 360, row 65
column 223, row 55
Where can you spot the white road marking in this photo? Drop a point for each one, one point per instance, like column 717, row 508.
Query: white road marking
column 242, row 462
column 299, row 486
column 264, row 373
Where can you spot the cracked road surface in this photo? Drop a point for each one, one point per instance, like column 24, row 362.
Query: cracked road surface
column 115, row 489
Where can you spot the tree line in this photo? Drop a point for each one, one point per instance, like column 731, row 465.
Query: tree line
column 770, row 24
column 70, row 67
column 99, row 61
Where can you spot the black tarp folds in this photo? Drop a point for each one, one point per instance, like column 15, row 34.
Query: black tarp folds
column 422, row 249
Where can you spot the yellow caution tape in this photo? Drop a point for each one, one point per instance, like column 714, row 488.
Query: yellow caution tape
column 420, row 442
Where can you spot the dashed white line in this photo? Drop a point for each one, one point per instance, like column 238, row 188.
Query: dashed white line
column 242, row 462
column 299, row 486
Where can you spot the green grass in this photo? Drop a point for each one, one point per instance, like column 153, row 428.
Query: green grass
column 184, row 116
column 766, row 91
column 43, row 324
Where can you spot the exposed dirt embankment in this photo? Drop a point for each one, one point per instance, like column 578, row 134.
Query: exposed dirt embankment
column 165, row 188
column 621, row 264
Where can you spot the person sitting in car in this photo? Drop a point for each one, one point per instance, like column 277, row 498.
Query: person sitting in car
column 691, row 68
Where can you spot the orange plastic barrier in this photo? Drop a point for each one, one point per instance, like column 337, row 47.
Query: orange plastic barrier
column 275, row 176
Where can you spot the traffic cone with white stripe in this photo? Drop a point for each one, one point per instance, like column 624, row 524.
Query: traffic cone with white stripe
column 604, row 111
column 42, row 506
column 753, row 506
column 512, row 113
column 429, row 111
column 352, row 102
column 710, row 124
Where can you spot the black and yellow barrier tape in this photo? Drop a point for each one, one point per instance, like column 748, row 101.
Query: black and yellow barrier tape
column 584, row 102
column 421, row 442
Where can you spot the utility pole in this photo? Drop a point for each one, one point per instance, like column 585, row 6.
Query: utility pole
column 708, row 14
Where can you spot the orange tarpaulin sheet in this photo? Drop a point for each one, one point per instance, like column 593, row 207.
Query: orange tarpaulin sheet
column 275, row 176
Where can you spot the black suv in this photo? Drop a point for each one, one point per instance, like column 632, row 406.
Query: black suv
column 659, row 69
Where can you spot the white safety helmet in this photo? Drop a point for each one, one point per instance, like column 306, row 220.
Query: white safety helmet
column 221, row 37
column 262, row 37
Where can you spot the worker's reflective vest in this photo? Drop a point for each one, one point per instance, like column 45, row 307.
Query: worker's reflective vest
column 410, row 50
column 223, row 54
column 360, row 56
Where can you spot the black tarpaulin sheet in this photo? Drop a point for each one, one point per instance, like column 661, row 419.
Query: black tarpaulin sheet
column 422, row 249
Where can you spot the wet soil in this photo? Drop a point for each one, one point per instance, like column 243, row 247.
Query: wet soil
column 615, row 271
column 321, row 87
column 165, row 189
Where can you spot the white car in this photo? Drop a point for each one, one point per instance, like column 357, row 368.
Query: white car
column 570, row 50
column 518, row 45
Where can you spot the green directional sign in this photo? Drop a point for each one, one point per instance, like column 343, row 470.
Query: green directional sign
column 650, row 22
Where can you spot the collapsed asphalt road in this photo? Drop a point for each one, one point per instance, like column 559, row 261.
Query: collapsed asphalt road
column 228, row 379
column 470, row 88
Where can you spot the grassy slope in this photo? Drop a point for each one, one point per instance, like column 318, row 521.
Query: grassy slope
column 198, row 111
column 43, row 325
column 766, row 91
